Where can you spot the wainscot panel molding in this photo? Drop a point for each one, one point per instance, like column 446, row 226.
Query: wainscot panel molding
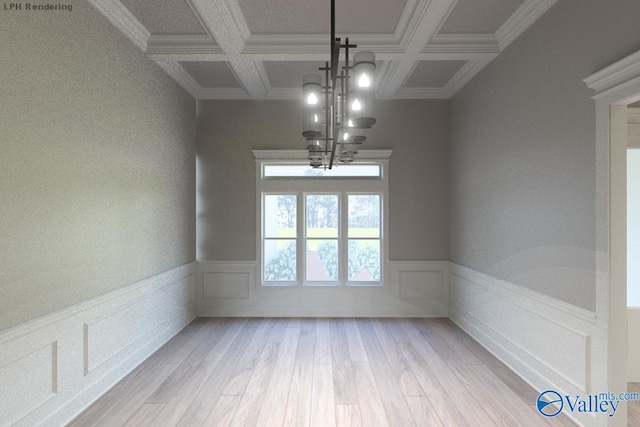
column 633, row 360
column 551, row 344
column 232, row 288
column 59, row 364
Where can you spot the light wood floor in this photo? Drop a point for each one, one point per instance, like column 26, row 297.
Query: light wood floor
column 320, row 372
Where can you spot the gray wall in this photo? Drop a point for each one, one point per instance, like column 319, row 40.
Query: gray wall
column 229, row 130
column 97, row 169
column 523, row 151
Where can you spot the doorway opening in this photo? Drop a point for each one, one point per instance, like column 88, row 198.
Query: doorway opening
column 633, row 258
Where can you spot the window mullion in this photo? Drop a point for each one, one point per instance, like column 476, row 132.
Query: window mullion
column 343, row 236
column 300, row 238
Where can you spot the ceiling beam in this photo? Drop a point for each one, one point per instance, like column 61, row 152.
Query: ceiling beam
column 427, row 20
column 123, row 19
column 224, row 21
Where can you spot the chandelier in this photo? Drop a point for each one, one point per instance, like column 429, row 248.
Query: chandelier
column 338, row 110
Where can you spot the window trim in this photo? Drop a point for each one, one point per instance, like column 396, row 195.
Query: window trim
column 316, row 185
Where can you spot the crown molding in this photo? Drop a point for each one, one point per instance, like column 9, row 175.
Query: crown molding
column 125, row 21
column 464, row 75
column 285, row 93
column 624, row 72
column 521, row 19
column 226, row 94
column 462, row 43
column 181, row 76
column 421, row 93
column 182, row 44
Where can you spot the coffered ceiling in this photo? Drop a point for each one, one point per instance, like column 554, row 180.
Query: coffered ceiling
column 260, row 49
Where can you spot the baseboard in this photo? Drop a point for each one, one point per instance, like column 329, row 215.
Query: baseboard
column 548, row 342
column 411, row 289
column 60, row 363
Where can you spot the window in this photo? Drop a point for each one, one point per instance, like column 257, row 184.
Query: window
column 321, row 228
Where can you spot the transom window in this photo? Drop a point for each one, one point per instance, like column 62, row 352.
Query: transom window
column 324, row 228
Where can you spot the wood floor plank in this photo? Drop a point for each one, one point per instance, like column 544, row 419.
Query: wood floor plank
column 432, row 358
column 222, row 344
column 388, row 384
column 323, row 408
column 120, row 414
column 294, row 322
column 423, row 412
column 396, row 328
column 275, row 400
column 200, row 407
column 443, row 348
column 354, row 341
column 113, row 397
column 298, row 411
column 455, row 339
column 278, row 330
column 344, row 387
column 250, row 355
column 254, row 394
column 441, row 401
column 223, row 411
column 348, row 415
column 486, row 398
column 473, row 412
column 527, row 415
column 516, row 384
column 181, row 345
column 484, row 355
column 405, row 377
column 178, row 404
column 371, row 407
column 323, row 341
column 145, row 416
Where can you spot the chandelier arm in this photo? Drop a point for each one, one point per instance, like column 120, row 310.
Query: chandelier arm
column 327, row 109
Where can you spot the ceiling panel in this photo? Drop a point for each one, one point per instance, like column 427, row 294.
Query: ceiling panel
column 474, row 16
column 211, row 74
column 433, row 73
column 165, row 16
column 289, row 74
column 314, row 17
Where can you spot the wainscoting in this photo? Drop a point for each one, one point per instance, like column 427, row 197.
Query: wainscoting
column 60, row 363
column 414, row 289
column 549, row 343
column 633, row 367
